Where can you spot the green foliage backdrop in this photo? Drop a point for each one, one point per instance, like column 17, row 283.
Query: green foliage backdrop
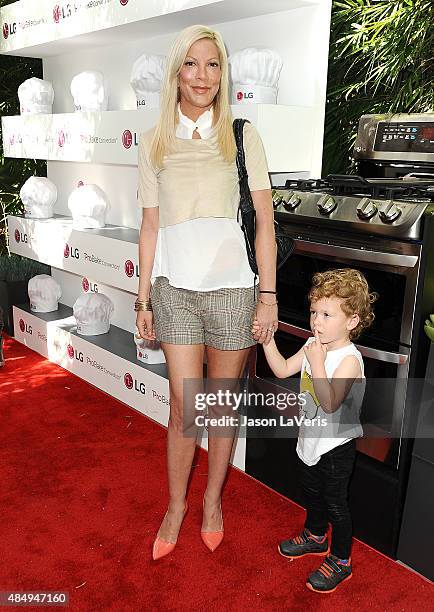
column 381, row 61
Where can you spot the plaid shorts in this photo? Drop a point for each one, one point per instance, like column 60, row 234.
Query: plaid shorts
column 221, row 318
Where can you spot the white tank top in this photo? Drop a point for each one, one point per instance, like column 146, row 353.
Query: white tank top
column 328, row 431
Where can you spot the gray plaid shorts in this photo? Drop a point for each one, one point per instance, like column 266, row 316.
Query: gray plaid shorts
column 221, row 318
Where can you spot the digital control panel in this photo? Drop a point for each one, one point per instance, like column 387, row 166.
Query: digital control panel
column 402, row 137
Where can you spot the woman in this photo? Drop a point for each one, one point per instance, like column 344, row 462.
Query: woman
column 192, row 251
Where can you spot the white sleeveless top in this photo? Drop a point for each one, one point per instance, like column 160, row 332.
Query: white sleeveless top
column 342, row 425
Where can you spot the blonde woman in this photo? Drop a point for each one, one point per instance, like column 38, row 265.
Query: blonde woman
column 196, row 291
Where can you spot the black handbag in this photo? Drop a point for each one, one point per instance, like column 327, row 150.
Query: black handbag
column 246, row 210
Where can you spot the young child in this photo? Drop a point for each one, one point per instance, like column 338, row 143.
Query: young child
column 330, row 365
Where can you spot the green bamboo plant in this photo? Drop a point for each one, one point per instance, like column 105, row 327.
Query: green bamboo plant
column 14, row 172
column 381, row 60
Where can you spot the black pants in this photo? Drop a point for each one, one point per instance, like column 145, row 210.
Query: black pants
column 325, row 489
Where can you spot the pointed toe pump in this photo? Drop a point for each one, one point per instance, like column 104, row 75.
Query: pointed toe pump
column 213, row 539
column 161, row 547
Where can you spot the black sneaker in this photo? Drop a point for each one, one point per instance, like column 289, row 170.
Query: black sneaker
column 303, row 544
column 329, row 575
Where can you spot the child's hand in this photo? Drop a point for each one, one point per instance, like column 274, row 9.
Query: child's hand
column 315, row 352
column 256, row 328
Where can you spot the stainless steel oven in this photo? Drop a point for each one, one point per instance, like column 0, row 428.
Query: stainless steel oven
column 382, row 223
column 386, row 347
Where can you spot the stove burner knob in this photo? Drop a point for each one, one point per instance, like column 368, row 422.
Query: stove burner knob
column 390, row 212
column 326, row 204
column 366, row 209
column 292, row 202
column 276, row 197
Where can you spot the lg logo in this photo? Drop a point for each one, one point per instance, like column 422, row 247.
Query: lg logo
column 241, row 95
column 70, row 251
column 89, row 286
column 132, row 383
column 19, row 237
column 9, row 29
column 56, row 13
column 25, row 328
column 123, row 2
column 129, row 139
column 74, row 354
column 130, row 268
column 63, row 11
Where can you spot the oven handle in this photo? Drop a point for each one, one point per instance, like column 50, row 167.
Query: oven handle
column 391, row 259
column 366, row 351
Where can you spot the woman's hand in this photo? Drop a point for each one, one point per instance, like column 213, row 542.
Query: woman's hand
column 145, row 324
column 265, row 323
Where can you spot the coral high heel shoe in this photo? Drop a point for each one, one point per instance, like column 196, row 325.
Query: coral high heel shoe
column 161, row 548
column 212, row 539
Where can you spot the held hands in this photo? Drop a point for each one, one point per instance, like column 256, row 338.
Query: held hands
column 265, row 323
column 316, row 352
column 145, row 325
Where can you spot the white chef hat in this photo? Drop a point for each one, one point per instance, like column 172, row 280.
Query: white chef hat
column 88, row 205
column 89, row 91
column 149, row 351
column 44, row 293
column 146, row 77
column 38, row 194
column 255, row 74
column 92, row 312
column 36, row 96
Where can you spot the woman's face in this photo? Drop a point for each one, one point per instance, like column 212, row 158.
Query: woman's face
column 199, row 78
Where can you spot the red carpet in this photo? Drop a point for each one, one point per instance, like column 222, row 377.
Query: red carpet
column 83, row 493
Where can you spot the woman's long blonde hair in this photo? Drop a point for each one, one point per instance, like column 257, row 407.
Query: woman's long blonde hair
column 164, row 136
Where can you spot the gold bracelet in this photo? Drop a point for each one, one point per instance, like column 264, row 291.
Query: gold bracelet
column 143, row 305
column 265, row 303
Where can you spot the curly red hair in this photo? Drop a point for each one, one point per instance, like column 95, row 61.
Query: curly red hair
column 352, row 288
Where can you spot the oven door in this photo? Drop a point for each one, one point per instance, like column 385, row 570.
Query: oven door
column 386, row 346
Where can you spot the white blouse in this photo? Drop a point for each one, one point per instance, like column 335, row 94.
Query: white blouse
column 202, row 254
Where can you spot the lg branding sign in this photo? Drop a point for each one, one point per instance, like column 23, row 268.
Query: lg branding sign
column 9, row 29
column 62, row 11
column 130, row 269
column 89, row 286
column 74, row 354
column 20, row 237
column 25, row 328
column 131, row 383
column 123, row 2
column 245, row 95
column 129, row 138
column 70, row 251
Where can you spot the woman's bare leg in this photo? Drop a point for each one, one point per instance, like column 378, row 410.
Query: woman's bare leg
column 227, row 365
column 183, row 361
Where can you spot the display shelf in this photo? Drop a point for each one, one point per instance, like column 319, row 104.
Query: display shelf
column 107, row 361
column 108, row 255
column 44, row 28
column 113, row 136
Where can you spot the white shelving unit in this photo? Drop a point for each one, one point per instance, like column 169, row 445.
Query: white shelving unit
column 101, row 148
column 112, row 137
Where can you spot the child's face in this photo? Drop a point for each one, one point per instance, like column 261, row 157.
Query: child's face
column 328, row 318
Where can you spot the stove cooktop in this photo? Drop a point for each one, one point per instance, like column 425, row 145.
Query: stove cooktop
column 392, row 207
